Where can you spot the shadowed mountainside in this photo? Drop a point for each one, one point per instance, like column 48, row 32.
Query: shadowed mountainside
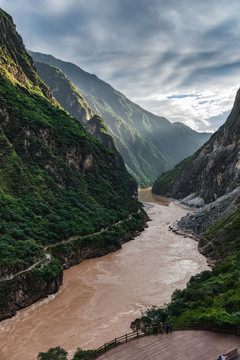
column 211, row 172
column 148, row 143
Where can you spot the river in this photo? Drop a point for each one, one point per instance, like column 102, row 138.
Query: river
column 100, row 297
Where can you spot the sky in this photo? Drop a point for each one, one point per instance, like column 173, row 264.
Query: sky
column 175, row 58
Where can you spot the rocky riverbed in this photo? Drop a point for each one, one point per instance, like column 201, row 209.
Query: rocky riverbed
column 196, row 222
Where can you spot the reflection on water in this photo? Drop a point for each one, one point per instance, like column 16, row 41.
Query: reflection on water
column 100, row 297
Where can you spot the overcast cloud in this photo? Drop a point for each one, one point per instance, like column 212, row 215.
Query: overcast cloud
column 179, row 59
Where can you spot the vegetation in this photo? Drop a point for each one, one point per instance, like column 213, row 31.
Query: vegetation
column 100, row 242
column 58, row 353
column 79, row 355
column 223, row 238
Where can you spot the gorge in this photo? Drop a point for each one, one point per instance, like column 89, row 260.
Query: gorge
column 69, row 274
column 149, row 144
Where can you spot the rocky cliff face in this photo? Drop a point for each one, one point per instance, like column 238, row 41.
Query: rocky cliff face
column 25, row 289
column 211, row 172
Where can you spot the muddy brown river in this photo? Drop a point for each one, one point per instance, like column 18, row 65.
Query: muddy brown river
column 100, row 297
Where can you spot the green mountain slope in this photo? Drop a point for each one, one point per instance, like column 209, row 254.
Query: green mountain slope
column 57, row 183
column 140, row 136
column 73, row 102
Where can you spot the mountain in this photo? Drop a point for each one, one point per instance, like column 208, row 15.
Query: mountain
column 73, row 102
column 211, row 172
column 64, row 196
column 149, row 144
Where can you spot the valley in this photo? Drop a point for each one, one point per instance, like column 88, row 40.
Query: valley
column 149, row 144
column 85, row 255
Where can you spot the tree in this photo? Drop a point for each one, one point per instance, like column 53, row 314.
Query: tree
column 56, row 353
column 80, row 354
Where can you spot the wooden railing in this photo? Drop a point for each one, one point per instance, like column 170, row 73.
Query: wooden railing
column 225, row 328
column 149, row 331
column 232, row 354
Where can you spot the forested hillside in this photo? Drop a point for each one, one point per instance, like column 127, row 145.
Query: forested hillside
column 58, row 185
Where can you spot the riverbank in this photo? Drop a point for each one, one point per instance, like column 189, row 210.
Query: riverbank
column 45, row 277
column 194, row 224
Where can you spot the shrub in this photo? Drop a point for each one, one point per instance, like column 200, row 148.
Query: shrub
column 56, row 353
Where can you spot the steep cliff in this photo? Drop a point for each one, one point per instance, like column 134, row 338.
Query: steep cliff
column 213, row 171
column 148, row 143
column 57, row 183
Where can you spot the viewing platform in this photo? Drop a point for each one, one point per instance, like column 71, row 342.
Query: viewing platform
column 178, row 345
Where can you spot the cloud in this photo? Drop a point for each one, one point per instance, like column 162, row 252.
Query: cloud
column 155, row 52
